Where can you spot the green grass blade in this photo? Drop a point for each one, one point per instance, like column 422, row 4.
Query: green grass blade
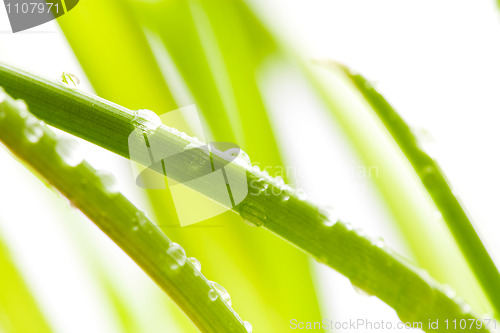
column 375, row 269
column 436, row 184
column 164, row 261
column 19, row 311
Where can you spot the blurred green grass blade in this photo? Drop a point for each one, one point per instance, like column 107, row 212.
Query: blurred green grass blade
column 131, row 316
column 218, row 47
column 407, row 200
column 126, row 318
column 238, row 276
column 19, row 311
column 436, row 184
column 164, row 261
column 91, row 33
column 374, row 268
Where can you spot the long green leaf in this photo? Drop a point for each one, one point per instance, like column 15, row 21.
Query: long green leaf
column 406, row 199
column 436, row 184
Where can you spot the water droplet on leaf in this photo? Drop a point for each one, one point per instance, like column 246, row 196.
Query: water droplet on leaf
column 212, row 294
column 140, row 220
column 108, row 181
column 176, row 256
column 196, row 263
column 263, row 185
column 69, row 80
column 23, row 108
column 147, row 120
column 248, row 326
column 222, row 292
column 33, row 131
column 69, row 152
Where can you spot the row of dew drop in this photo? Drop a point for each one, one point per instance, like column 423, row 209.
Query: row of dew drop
column 150, row 122
column 70, row 154
column 178, row 259
column 329, row 219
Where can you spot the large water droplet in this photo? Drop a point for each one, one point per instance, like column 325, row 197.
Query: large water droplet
column 213, row 294
column 196, row 263
column 147, row 120
column 261, row 185
column 239, row 154
column 139, row 221
column 33, row 130
column 69, row 152
column 222, row 292
column 248, row 326
column 69, row 80
column 176, row 256
column 108, row 181
column 22, row 108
